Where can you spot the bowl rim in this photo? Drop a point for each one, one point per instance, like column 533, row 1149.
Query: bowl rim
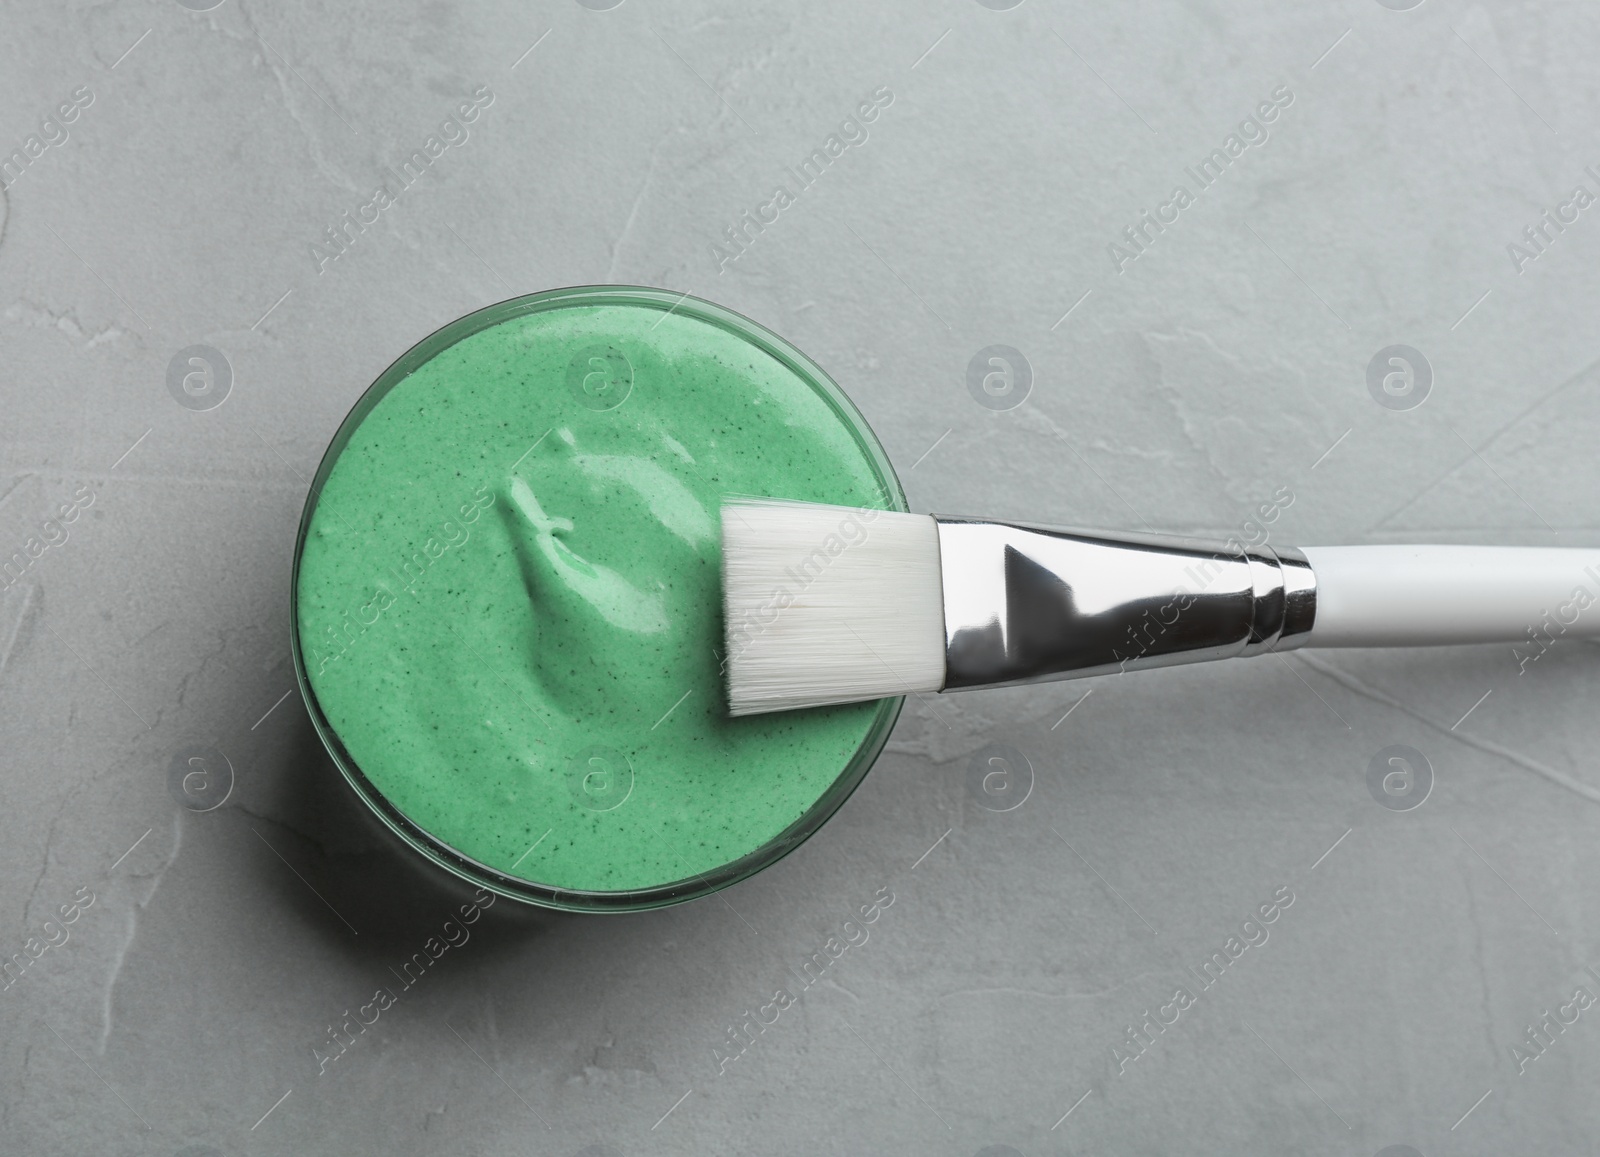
column 431, row 847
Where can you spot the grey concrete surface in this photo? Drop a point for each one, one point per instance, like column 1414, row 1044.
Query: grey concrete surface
column 1183, row 381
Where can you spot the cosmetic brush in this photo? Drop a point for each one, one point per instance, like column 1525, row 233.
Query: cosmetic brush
column 832, row 604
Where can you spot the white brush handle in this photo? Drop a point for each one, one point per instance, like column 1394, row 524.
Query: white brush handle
column 1407, row 596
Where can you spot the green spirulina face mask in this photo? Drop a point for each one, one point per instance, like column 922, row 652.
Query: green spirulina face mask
column 507, row 597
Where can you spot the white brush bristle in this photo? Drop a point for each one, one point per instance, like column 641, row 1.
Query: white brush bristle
column 828, row 604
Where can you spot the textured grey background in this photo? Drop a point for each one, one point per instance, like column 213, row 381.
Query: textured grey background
column 1214, row 371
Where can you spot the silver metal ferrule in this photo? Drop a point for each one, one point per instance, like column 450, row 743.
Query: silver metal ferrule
column 1026, row 604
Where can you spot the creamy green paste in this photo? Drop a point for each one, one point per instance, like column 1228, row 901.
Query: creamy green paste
column 509, row 595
